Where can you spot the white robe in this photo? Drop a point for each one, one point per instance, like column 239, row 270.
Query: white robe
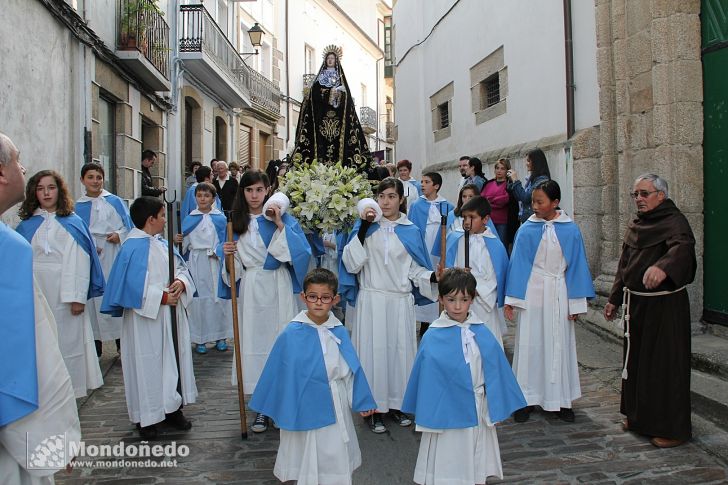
column 485, row 305
column 462, row 456
column 384, row 334
column 544, row 359
column 63, row 271
column 210, row 317
column 410, row 192
column 104, row 220
column 429, row 313
column 56, row 413
column 328, row 455
column 330, row 258
column 147, row 349
column 266, row 304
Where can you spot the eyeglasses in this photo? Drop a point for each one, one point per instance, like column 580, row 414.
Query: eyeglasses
column 326, row 299
column 642, row 193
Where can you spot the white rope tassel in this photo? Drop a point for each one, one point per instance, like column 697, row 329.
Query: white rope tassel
column 626, row 302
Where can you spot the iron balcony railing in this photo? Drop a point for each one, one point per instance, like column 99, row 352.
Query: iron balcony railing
column 368, row 118
column 142, row 28
column 200, row 33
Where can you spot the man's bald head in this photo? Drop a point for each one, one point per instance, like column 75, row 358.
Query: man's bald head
column 12, row 174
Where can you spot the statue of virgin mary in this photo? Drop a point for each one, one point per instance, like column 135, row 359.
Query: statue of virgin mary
column 328, row 127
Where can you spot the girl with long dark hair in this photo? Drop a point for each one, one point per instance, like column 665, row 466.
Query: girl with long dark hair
column 271, row 259
column 537, row 165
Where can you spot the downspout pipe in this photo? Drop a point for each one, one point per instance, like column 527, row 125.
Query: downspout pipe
column 569, row 62
column 288, row 85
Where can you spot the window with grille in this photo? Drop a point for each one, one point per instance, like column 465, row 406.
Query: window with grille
column 490, row 91
column 444, row 115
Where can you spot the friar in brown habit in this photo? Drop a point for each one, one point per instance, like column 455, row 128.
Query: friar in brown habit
column 658, row 260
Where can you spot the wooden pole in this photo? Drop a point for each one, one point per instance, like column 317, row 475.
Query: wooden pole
column 467, row 248
column 443, row 240
column 230, row 262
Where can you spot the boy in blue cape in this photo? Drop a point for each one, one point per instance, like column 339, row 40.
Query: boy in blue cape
column 460, row 386
column 139, row 289
column 426, row 213
column 309, row 386
column 488, row 262
column 202, row 230
column 189, row 202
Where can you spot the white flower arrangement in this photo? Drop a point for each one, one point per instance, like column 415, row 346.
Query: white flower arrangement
column 324, row 197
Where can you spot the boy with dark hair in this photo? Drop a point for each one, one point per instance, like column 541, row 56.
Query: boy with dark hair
column 488, row 262
column 138, row 289
column 189, row 203
column 426, row 213
column 309, row 379
column 202, row 230
column 460, row 386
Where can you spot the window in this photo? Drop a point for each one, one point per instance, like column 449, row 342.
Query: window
column 388, row 59
column 106, row 132
column 442, row 112
column 489, row 87
column 308, row 55
column 489, row 92
column 364, row 94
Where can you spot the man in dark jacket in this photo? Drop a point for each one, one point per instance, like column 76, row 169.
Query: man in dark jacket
column 148, row 188
column 657, row 262
column 226, row 185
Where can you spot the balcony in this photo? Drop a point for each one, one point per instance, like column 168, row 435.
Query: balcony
column 308, row 80
column 142, row 43
column 368, row 119
column 389, row 132
column 210, row 57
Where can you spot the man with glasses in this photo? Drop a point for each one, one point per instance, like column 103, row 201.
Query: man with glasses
column 657, row 262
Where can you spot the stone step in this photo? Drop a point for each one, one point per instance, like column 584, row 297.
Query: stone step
column 709, row 394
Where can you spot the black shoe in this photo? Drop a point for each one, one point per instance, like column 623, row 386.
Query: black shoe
column 376, row 424
column 522, row 415
column 260, row 424
column 400, row 418
column 147, row 432
column 178, row 421
column 99, row 347
column 566, row 414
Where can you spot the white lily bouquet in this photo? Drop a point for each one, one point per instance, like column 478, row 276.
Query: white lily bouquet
column 324, row 197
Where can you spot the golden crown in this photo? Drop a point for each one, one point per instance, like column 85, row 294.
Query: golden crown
column 335, row 49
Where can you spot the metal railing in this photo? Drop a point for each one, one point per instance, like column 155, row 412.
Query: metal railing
column 368, row 118
column 200, row 33
column 142, row 28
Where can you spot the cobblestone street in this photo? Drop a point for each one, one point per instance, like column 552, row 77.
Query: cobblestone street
column 544, row 450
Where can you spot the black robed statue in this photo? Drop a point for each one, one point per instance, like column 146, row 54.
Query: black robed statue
column 328, row 128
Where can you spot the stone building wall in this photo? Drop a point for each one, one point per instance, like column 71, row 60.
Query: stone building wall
column 650, row 94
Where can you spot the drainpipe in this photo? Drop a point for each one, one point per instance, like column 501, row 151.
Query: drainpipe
column 377, row 88
column 569, row 58
column 288, row 86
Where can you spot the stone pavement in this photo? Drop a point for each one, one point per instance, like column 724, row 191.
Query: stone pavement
column 544, row 450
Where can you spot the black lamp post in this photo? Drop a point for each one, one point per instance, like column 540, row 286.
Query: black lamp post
column 256, row 35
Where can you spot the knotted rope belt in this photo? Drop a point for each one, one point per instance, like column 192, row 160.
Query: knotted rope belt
column 626, row 302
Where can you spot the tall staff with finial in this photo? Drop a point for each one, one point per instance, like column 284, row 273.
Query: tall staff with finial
column 230, row 263
column 443, row 240
column 170, row 254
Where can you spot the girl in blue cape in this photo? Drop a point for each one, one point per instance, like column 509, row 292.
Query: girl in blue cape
column 310, row 384
column 67, row 269
column 202, row 230
column 385, row 269
column 108, row 220
column 271, row 260
column 461, row 385
column 548, row 286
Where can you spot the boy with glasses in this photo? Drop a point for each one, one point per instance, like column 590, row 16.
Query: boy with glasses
column 306, row 385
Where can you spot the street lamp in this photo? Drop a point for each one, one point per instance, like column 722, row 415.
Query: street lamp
column 388, row 104
column 256, row 35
